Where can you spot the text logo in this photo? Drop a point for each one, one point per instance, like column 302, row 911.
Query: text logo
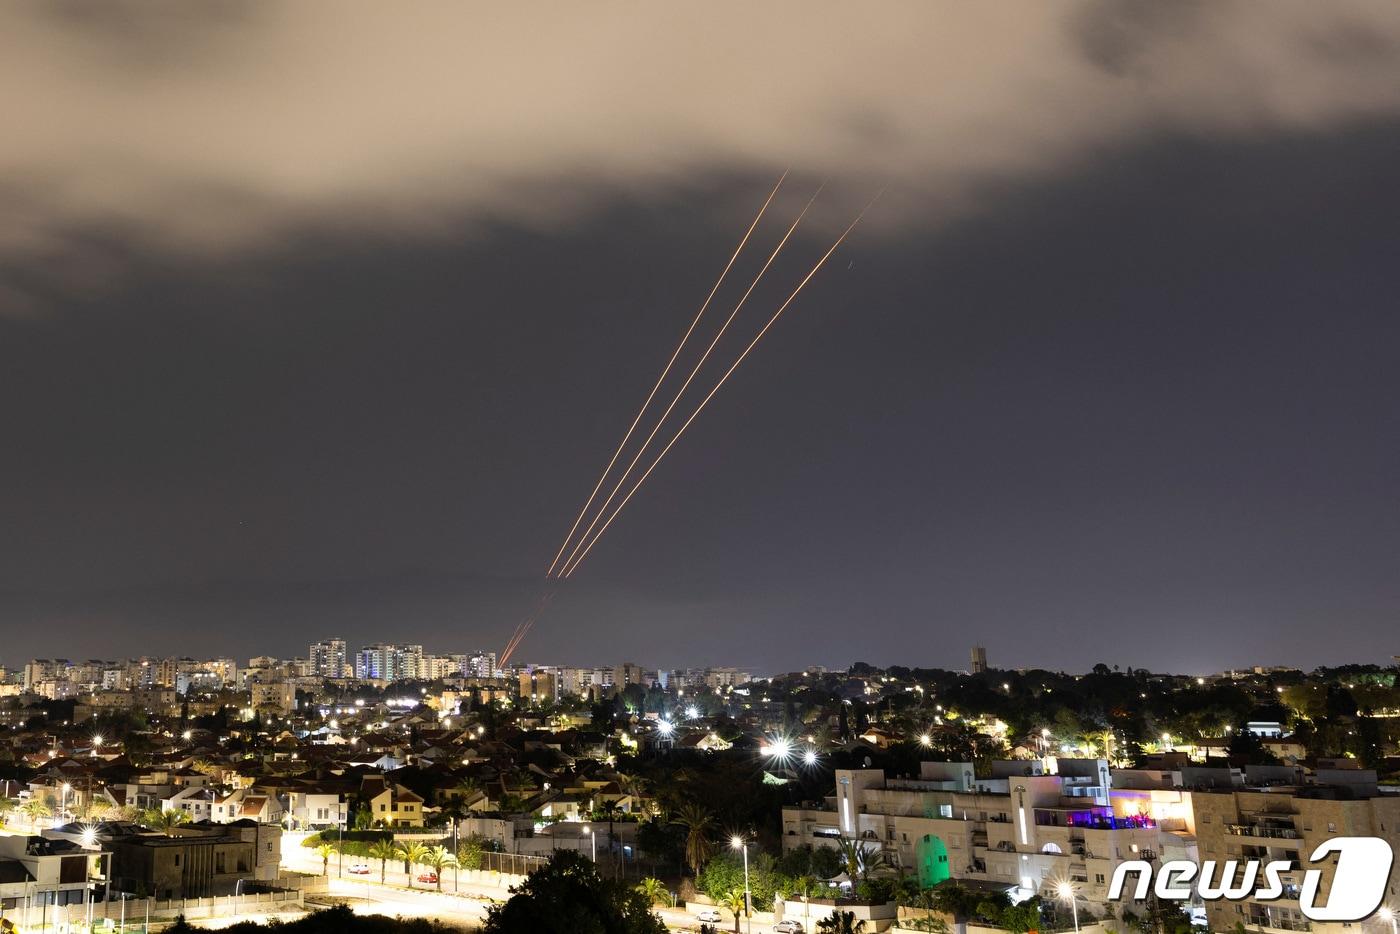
column 1358, row 884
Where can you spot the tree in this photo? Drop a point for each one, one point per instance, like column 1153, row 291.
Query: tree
column 35, row 809
column 438, row 858
column 383, row 850
column 6, row 806
column 325, row 851
column 567, row 896
column 698, row 823
column 411, row 853
column 955, row 900
column 861, row 857
column 608, row 811
column 469, row 853
column 655, row 891
column 733, row 901
column 840, row 922
column 162, row 820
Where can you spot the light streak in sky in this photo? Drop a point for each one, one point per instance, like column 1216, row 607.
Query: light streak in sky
column 667, row 369
column 575, row 561
column 686, row 385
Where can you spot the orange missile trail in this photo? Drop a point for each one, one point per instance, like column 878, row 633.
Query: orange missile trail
column 686, row 385
column 576, row 561
column 524, row 627
column 660, row 379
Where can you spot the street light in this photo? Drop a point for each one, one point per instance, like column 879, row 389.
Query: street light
column 592, row 842
column 739, row 843
column 1066, row 892
column 63, row 807
column 1388, row 914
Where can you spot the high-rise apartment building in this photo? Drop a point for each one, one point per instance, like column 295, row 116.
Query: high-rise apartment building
column 387, row 662
column 328, row 658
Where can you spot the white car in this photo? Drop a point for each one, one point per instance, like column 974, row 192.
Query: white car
column 709, row 916
column 788, row 927
column 359, row 869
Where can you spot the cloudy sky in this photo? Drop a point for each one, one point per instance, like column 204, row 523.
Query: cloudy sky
column 322, row 319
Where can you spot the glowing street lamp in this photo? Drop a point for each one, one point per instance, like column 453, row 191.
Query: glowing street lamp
column 1066, row 892
column 1388, row 914
column 592, row 841
column 925, row 740
column 665, row 727
column 739, row 843
column 809, row 757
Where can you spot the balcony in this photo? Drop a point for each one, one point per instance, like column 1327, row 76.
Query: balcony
column 1263, row 831
column 1098, row 818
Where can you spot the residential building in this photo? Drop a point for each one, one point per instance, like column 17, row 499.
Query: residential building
column 1019, row 830
column 50, row 872
column 1272, row 821
column 392, row 804
column 386, row 662
column 328, row 658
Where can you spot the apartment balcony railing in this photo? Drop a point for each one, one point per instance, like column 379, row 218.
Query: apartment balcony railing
column 1260, row 830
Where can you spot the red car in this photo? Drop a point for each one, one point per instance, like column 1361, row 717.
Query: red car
column 428, row 877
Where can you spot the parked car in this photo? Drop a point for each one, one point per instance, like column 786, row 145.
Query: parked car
column 428, row 877
column 788, row 927
column 709, row 916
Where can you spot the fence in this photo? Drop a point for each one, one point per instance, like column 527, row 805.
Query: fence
column 133, row 914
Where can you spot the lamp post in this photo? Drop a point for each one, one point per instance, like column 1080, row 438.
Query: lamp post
column 739, row 843
column 237, row 890
column 592, row 842
column 1066, row 892
column 1388, row 914
column 63, row 806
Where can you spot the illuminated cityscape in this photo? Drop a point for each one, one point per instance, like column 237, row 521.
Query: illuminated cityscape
column 910, row 467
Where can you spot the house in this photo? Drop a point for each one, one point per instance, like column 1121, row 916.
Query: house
column 248, row 805
column 196, row 802
column 52, row 872
column 391, row 804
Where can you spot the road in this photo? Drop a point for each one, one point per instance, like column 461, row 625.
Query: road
column 463, row 900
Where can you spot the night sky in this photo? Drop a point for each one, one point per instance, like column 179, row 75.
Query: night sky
column 313, row 327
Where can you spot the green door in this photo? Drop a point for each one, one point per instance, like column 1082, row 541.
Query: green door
column 932, row 857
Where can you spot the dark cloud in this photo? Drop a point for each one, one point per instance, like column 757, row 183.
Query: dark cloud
column 204, row 128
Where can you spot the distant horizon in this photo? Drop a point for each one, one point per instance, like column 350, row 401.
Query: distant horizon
column 752, row 670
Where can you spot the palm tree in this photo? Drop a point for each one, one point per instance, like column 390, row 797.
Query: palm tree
column 163, row 821
column 733, row 902
column 861, row 858
column 698, row 823
column 841, row 922
column 468, row 790
column 411, row 853
column 439, row 858
column 383, row 850
column 655, row 891
column 324, row 850
column 6, row 806
column 608, row 811
column 35, row 809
